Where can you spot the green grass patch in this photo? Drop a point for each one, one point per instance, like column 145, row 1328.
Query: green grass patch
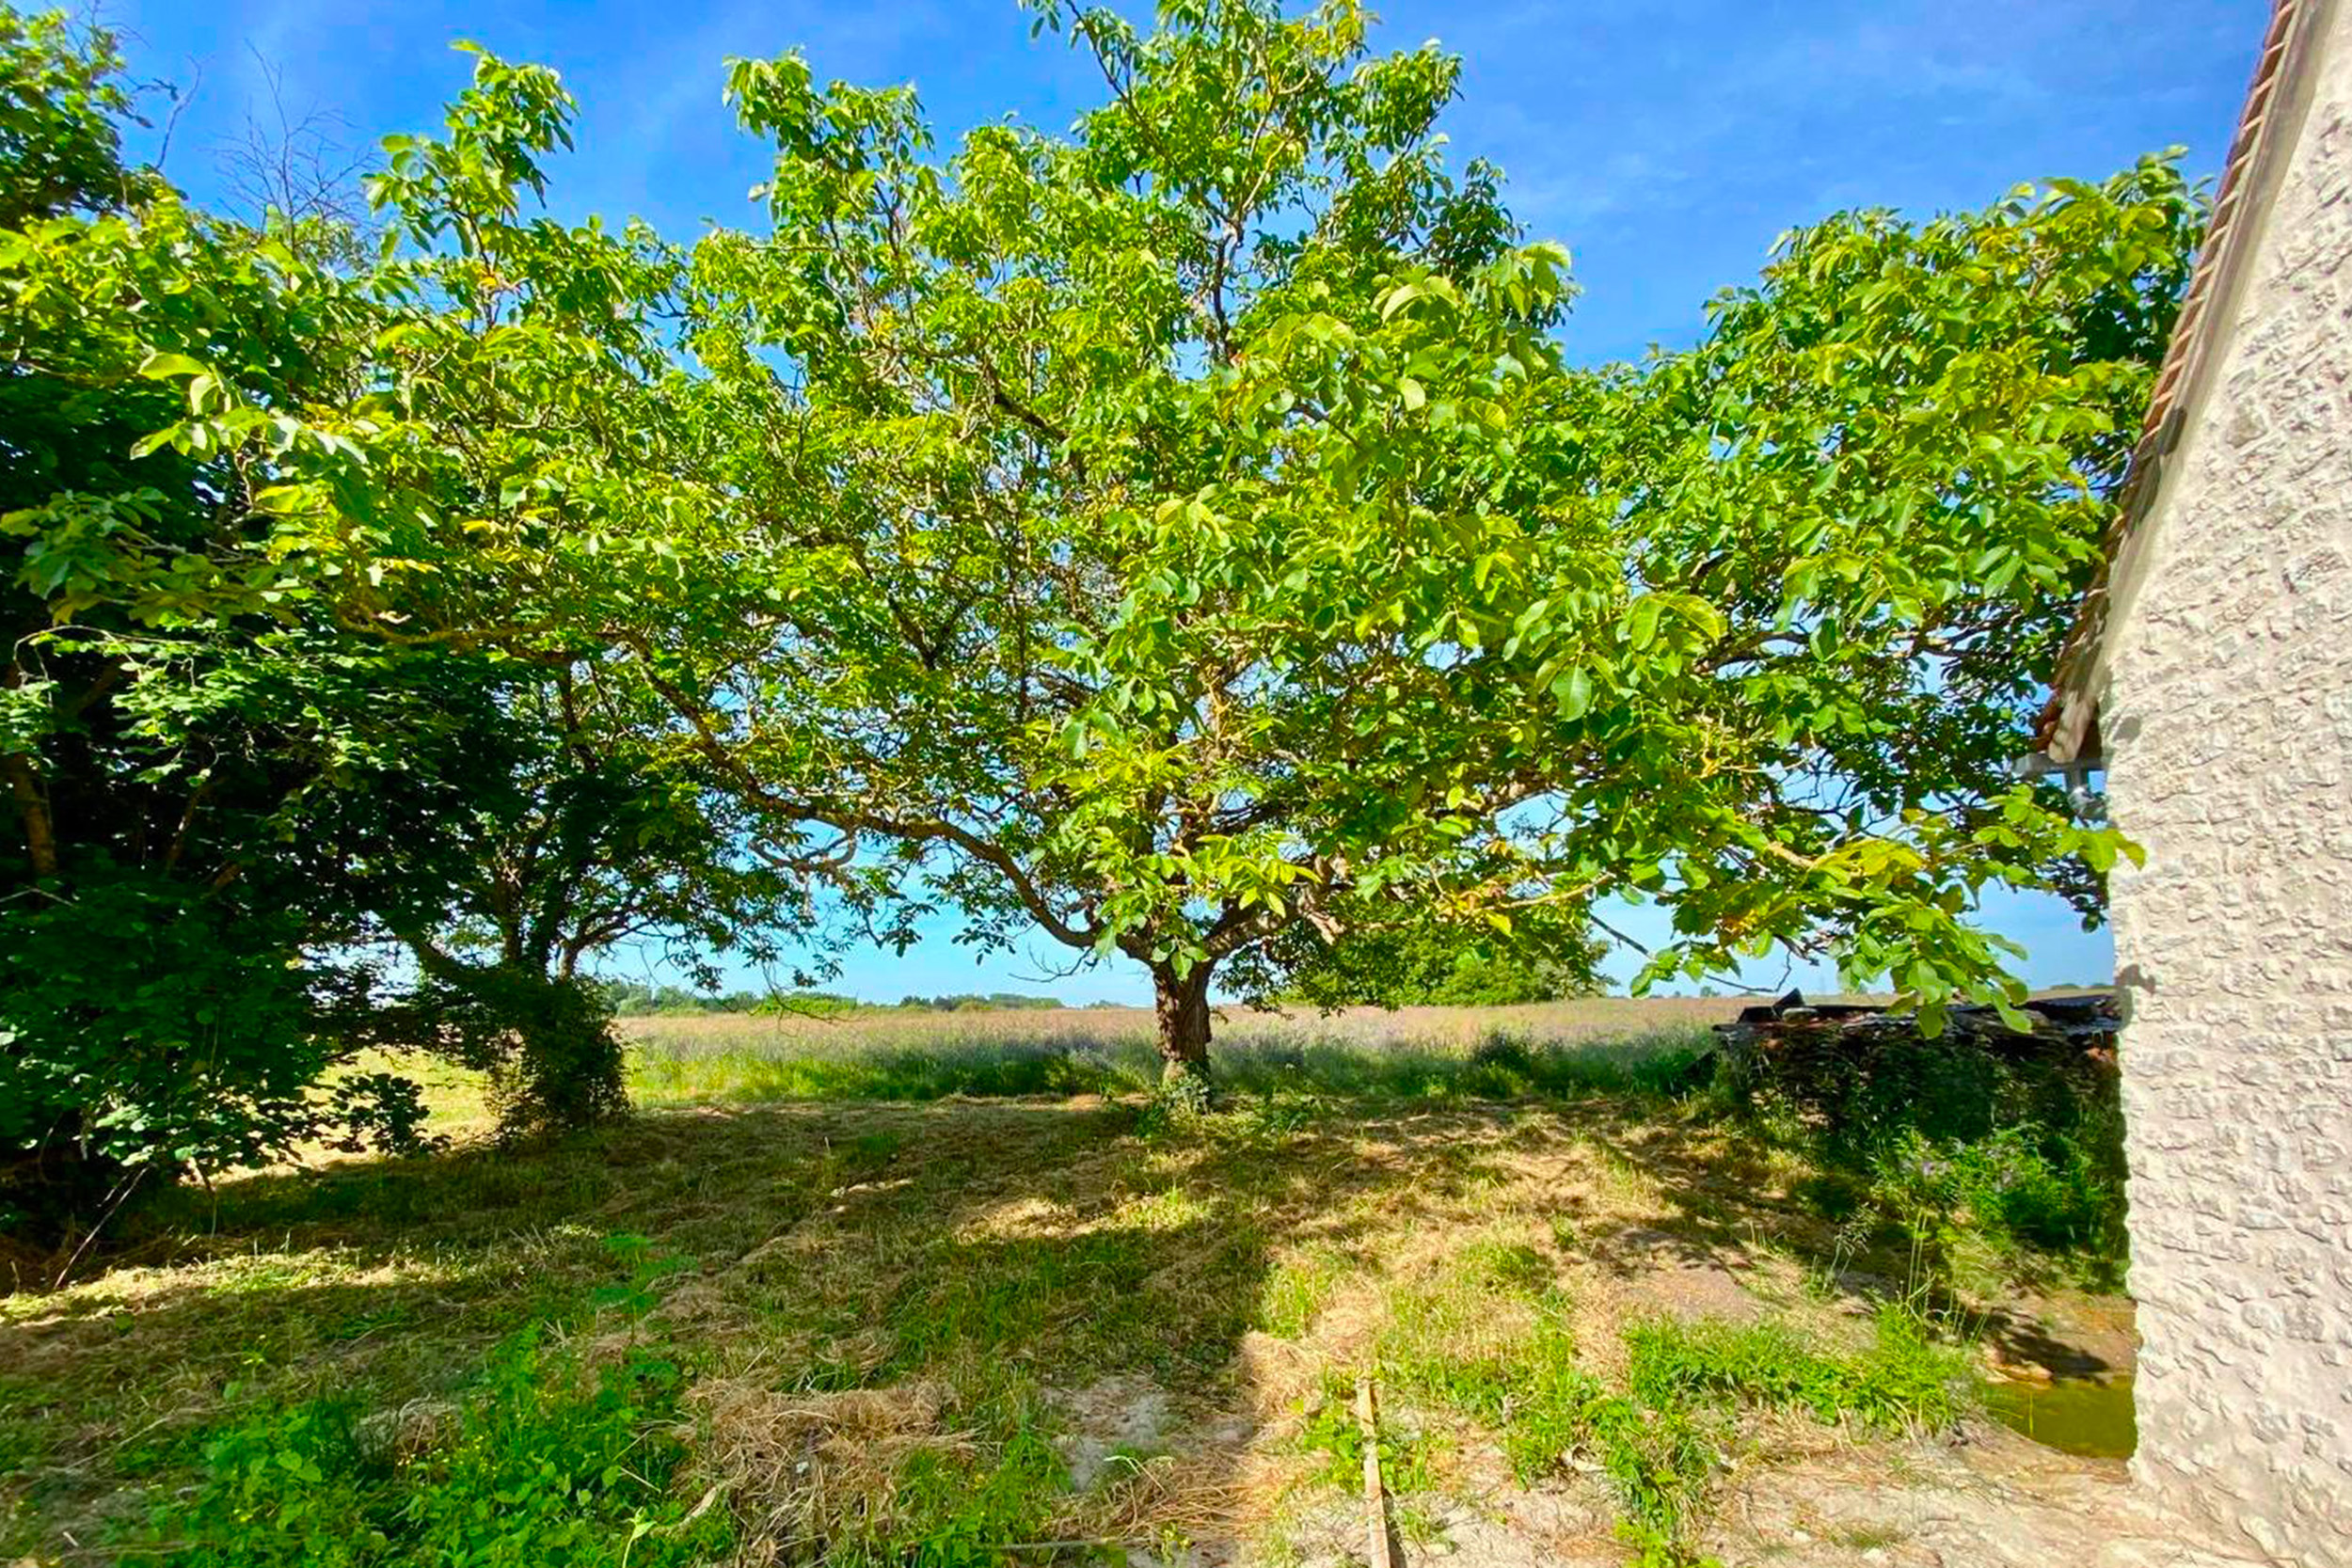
column 1906, row 1378
column 976, row 1071
column 992, row 1261
column 543, row 1462
column 1487, row 1336
column 1295, row 1289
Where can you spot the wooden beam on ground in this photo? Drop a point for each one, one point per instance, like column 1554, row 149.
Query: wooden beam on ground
column 1376, row 1507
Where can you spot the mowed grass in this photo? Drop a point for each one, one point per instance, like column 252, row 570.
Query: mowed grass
column 755, row 1323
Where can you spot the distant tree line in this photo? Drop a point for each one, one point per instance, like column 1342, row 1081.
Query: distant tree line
column 982, row 1002
column 643, row 999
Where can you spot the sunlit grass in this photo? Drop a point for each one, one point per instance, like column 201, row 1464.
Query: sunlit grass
column 1117, row 1030
column 1427, row 1054
column 1602, row 1046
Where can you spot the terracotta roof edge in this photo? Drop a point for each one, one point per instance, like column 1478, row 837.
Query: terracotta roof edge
column 2070, row 719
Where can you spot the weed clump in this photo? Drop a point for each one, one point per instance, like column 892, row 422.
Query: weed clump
column 542, row 1462
column 1661, row 1438
column 1982, row 1160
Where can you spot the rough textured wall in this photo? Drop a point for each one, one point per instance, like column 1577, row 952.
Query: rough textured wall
column 2229, row 737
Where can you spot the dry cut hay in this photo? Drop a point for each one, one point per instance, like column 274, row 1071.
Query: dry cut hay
column 805, row 1471
column 1195, row 1496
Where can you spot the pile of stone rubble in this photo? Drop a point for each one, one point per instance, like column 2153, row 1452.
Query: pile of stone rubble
column 1770, row 1038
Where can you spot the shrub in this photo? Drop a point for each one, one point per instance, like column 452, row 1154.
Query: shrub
column 1952, row 1142
column 148, row 1031
column 546, row 1041
column 2051, row 1190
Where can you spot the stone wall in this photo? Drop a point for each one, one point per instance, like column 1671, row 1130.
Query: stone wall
column 2228, row 724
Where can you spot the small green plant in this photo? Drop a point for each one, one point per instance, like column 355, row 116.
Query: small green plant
column 647, row 1265
column 1659, row 1463
column 1332, row 1431
column 542, row 1463
column 1278, row 1112
column 952, row 1511
column 1178, row 1104
column 1661, row 1437
column 290, row 1486
column 1659, row 1442
column 576, row 1477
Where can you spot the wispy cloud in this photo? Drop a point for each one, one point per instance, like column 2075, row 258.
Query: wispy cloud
column 672, row 94
column 1667, row 142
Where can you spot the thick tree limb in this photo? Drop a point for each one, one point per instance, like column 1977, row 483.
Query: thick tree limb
column 906, row 830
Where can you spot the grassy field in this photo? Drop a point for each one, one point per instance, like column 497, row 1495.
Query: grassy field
column 896, row 1055
column 848, row 1293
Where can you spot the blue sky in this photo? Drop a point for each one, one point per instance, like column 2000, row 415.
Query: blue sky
column 1665, row 142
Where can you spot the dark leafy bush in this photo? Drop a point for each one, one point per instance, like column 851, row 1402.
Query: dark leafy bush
column 149, row 1028
column 2020, row 1147
column 546, row 1041
column 2056, row 1191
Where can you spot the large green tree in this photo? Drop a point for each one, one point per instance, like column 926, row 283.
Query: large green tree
column 882, row 505
column 1115, row 496
column 1183, row 537
column 232, row 764
column 1182, row 533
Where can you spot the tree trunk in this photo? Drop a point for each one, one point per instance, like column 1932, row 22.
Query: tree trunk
column 40, row 838
column 32, row 804
column 1182, row 1002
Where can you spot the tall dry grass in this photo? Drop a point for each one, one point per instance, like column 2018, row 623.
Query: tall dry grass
column 1601, row 1042
column 1585, row 1020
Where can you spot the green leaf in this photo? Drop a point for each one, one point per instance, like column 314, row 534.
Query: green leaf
column 1573, row 690
column 1641, row 624
column 163, row 367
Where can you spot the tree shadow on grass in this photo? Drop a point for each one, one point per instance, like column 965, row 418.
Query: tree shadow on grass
column 1022, row 1256
column 1727, row 1209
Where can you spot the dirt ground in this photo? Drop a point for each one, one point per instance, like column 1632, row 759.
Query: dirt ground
column 1982, row 1497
